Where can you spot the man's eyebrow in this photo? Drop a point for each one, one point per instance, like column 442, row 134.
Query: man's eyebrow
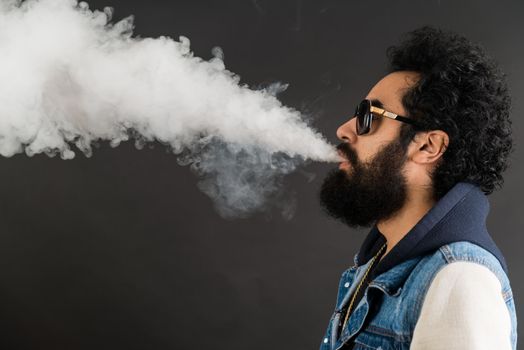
column 377, row 103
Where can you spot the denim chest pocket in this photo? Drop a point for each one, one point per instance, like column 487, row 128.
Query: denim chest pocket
column 366, row 340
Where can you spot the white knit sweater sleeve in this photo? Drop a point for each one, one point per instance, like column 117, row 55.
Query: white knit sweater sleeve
column 463, row 309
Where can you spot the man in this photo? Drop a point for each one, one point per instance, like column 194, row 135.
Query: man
column 425, row 147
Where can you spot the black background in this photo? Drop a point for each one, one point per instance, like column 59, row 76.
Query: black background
column 122, row 251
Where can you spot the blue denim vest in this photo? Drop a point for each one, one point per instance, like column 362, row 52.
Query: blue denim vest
column 386, row 316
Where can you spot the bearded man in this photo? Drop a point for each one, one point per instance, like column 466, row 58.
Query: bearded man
column 422, row 151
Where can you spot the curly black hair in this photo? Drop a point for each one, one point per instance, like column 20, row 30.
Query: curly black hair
column 463, row 92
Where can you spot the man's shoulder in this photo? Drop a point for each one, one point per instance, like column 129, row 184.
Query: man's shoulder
column 465, row 251
column 461, row 252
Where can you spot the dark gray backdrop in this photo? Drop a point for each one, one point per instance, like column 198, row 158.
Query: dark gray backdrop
column 122, row 251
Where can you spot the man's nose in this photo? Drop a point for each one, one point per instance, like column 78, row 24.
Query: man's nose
column 347, row 131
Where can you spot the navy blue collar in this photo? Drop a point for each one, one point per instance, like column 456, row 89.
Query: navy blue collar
column 460, row 215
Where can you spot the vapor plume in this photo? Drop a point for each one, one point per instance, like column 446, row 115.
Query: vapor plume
column 70, row 77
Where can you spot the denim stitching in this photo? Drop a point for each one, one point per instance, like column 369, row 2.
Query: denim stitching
column 401, row 337
column 507, row 295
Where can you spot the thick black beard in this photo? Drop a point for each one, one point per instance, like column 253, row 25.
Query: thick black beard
column 367, row 193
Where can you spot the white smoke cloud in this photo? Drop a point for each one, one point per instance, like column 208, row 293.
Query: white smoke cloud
column 68, row 77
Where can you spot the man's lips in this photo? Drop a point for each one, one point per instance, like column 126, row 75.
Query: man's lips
column 343, row 158
column 344, row 162
column 344, row 165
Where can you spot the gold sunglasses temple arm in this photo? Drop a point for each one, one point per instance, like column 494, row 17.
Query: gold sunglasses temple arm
column 383, row 112
column 391, row 115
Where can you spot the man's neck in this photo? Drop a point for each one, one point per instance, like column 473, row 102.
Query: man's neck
column 418, row 203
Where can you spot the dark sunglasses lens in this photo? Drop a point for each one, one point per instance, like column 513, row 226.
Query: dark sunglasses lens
column 363, row 119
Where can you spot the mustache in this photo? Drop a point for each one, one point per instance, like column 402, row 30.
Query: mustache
column 347, row 152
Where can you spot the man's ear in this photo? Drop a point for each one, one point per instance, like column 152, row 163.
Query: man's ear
column 429, row 146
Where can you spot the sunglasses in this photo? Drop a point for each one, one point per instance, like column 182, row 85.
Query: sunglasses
column 365, row 112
